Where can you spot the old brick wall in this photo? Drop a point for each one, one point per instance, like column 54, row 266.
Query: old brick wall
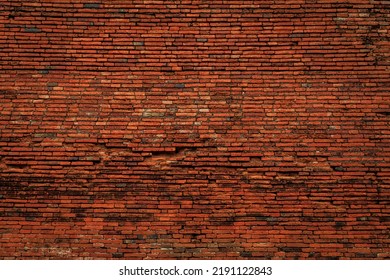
column 194, row 129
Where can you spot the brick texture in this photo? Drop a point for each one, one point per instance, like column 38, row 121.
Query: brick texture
column 197, row 129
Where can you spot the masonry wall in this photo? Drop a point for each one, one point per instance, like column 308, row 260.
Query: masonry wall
column 194, row 129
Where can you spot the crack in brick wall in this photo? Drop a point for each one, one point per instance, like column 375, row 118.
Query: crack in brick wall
column 194, row 129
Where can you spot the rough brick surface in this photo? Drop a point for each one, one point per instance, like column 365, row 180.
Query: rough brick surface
column 194, row 129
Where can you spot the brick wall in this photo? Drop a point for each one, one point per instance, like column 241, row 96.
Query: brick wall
column 194, row 129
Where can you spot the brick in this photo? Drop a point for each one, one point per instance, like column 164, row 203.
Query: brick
column 32, row 30
column 91, row 5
